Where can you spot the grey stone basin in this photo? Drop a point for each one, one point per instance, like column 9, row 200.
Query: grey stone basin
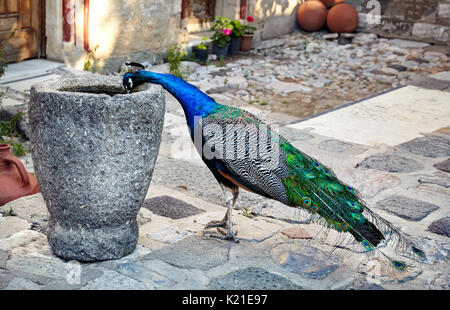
column 94, row 148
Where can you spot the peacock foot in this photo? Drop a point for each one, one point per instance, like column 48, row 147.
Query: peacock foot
column 221, row 233
column 215, row 224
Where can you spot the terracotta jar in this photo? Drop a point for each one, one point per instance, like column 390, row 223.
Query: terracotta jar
column 246, row 42
column 312, row 15
column 342, row 18
column 15, row 181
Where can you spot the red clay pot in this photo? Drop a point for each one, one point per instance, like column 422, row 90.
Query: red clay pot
column 330, row 3
column 312, row 15
column 342, row 18
column 246, row 42
column 15, row 181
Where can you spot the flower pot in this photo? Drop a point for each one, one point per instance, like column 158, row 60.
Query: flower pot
column 221, row 51
column 15, row 181
column 246, row 42
column 94, row 148
column 201, row 54
column 235, row 45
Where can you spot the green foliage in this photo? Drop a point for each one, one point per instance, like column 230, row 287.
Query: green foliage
column 10, row 213
column 305, row 44
column 8, row 128
column 174, row 58
column 249, row 29
column 202, row 46
column 90, row 63
column 220, row 25
column 220, row 39
column 238, row 29
column 221, row 61
column 246, row 212
column 18, row 149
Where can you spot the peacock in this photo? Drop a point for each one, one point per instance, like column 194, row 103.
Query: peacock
column 243, row 152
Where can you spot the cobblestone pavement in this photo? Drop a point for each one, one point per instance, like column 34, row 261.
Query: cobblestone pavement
column 406, row 182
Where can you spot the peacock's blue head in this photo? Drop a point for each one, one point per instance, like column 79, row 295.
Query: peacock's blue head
column 130, row 81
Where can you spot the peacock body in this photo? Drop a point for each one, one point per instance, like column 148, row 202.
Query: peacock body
column 243, row 152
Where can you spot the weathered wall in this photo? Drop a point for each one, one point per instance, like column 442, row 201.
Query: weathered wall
column 122, row 29
column 142, row 30
column 273, row 17
column 423, row 20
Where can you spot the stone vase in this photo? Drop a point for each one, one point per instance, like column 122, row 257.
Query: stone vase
column 94, row 148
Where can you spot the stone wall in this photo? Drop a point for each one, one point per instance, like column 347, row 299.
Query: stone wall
column 421, row 20
column 143, row 30
column 122, row 30
column 273, row 18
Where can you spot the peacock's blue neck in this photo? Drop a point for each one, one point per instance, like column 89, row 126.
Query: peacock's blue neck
column 194, row 102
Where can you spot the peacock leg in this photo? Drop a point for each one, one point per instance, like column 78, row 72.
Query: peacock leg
column 231, row 196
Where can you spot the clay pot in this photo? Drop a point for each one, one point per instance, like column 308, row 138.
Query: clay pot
column 246, row 42
column 94, row 149
column 342, row 18
column 312, row 15
column 15, row 181
column 330, row 3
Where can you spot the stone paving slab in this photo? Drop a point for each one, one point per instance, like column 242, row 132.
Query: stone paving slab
column 391, row 118
column 445, row 75
column 250, row 279
column 407, row 208
column 25, row 84
column 170, row 207
column 27, row 69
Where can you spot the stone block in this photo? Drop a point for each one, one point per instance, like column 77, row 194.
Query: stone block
column 252, row 278
column 441, row 227
column 407, row 208
column 307, row 261
column 171, row 207
column 431, row 32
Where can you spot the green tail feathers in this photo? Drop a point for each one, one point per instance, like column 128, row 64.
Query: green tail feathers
column 315, row 188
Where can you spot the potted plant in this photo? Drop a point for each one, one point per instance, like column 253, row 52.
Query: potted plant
column 247, row 38
column 221, row 39
column 201, row 51
column 236, row 34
